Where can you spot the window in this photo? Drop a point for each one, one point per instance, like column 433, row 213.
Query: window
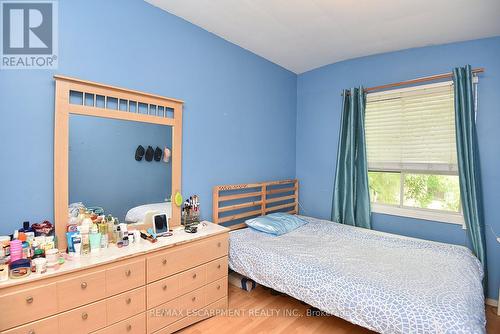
column 411, row 151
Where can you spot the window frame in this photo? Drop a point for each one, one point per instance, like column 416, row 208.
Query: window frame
column 401, row 210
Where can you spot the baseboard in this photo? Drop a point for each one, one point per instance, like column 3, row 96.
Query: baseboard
column 491, row 302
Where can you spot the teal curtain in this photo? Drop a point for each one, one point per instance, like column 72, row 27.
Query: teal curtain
column 468, row 160
column 351, row 198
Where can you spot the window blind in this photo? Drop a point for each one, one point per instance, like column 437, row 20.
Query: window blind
column 412, row 129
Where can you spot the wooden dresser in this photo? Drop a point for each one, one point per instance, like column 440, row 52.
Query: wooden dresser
column 144, row 288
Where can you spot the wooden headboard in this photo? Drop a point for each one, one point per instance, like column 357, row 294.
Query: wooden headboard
column 234, row 203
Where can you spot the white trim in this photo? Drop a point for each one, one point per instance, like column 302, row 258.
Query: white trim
column 492, row 302
column 433, row 215
column 412, row 88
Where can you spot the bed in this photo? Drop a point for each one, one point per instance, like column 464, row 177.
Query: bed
column 384, row 282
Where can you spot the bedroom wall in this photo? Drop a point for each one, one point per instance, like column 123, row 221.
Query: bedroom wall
column 239, row 114
column 100, row 148
column 318, row 116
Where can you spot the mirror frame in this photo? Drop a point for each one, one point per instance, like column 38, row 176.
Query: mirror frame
column 63, row 109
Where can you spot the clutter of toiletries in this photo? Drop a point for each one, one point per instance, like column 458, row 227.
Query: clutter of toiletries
column 31, row 248
column 89, row 230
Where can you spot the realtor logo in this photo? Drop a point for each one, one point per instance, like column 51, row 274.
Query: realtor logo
column 29, row 34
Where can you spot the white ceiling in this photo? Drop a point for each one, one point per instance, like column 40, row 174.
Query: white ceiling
column 304, row 34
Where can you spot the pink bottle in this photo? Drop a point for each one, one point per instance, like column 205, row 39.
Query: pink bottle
column 16, row 250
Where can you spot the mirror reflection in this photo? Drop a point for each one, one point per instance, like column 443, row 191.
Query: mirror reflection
column 123, row 167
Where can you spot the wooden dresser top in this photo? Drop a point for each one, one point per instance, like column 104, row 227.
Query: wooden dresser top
column 114, row 253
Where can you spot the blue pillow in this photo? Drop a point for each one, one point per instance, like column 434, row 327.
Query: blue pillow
column 276, row 223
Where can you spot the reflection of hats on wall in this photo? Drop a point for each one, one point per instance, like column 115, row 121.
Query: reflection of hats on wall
column 149, row 154
column 166, row 154
column 158, row 153
column 139, row 153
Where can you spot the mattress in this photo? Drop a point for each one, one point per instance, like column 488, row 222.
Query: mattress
column 384, row 282
column 137, row 214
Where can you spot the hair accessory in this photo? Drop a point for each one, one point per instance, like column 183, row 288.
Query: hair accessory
column 149, row 154
column 166, row 154
column 158, row 154
column 139, row 153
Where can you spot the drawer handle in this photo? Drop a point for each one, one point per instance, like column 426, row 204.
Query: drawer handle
column 219, row 244
column 128, row 273
column 164, row 287
column 84, row 285
column 29, row 299
column 164, row 261
column 218, row 267
column 85, row 316
column 194, row 276
column 128, row 300
column 193, row 299
column 218, row 287
column 129, row 327
column 32, row 331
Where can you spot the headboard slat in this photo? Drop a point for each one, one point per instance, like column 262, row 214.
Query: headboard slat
column 233, row 203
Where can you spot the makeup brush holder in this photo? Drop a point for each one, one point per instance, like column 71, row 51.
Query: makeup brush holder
column 191, row 218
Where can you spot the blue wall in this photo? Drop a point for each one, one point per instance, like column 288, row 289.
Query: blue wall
column 240, row 120
column 318, row 117
column 102, row 166
column 239, row 114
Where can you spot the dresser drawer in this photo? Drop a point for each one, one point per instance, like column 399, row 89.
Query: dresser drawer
column 206, row 312
column 45, row 326
column 125, row 305
column 134, row 325
column 125, row 277
column 217, row 269
column 216, row 290
column 216, row 247
column 192, row 279
column 84, row 319
column 180, row 258
column 174, row 310
column 81, row 290
column 162, row 291
column 23, row 306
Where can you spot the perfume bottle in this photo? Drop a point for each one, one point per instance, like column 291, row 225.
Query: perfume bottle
column 84, row 233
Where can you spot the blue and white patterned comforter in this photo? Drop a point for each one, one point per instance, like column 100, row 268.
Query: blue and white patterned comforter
column 384, row 282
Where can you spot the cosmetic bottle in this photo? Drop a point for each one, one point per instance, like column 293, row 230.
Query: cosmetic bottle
column 77, row 244
column 95, row 239
column 104, row 241
column 111, row 229
column 124, row 230
column 85, row 242
column 26, row 250
column 26, row 227
column 118, row 234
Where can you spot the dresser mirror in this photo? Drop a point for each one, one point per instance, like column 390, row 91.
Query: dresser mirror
column 117, row 151
column 121, row 168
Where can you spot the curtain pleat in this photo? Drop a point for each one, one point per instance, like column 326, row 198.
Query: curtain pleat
column 468, row 161
column 351, row 198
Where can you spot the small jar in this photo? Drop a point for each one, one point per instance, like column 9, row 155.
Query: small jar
column 20, row 268
column 40, row 265
column 4, row 246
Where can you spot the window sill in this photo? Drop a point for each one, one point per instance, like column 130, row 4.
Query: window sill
column 439, row 216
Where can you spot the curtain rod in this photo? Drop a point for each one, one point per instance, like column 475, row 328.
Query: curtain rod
column 418, row 80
